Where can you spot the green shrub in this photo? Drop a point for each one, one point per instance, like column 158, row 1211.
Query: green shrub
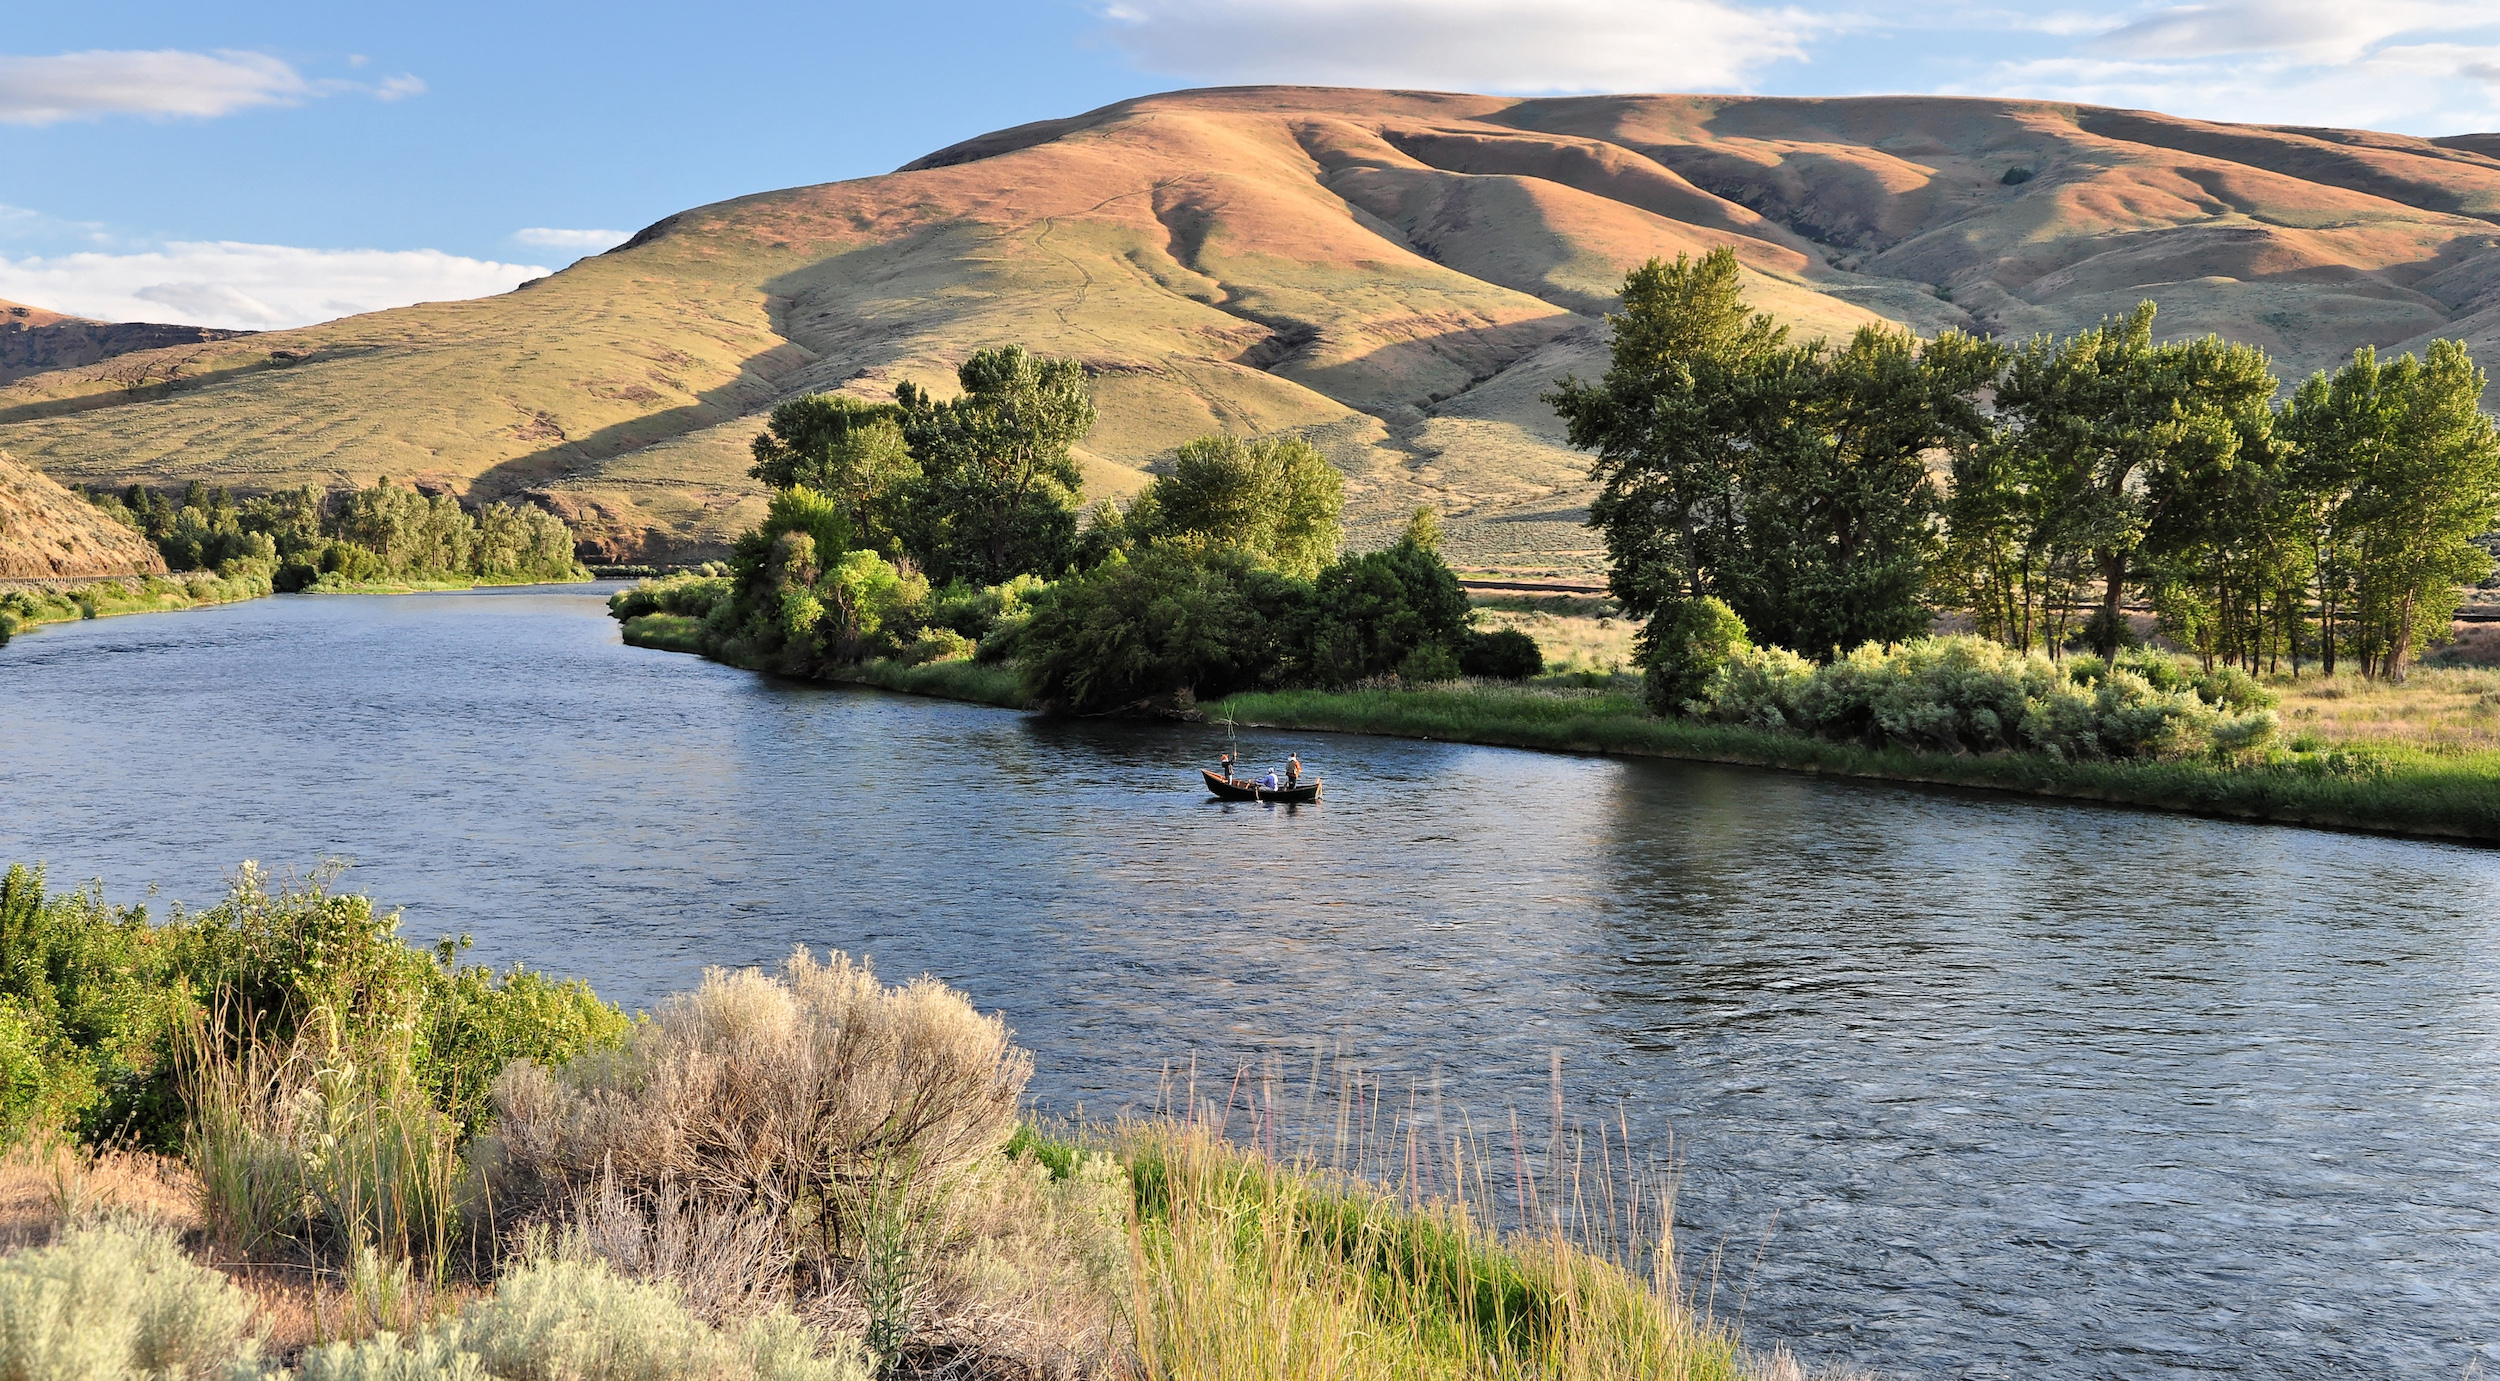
column 555, row 1319
column 1172, row 620
column 687, row 593
column 938, row 645
column 99, row 1000
column 1371, row 612
column 1505, row 654
column 1427, row 664
column 1970, row 695
column 109, row 1303
column 1683, row 648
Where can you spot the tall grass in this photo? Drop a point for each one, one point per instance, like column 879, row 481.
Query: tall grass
column 323, row 1145
column 1362, row 1239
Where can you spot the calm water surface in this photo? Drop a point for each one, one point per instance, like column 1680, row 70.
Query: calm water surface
column 1989, row 1088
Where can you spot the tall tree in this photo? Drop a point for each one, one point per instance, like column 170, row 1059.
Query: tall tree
column 843, row 447
column 2107, row 416
column 1277, row 499
column 2423, row 496
column 1837, row 510
column 1666, row 425
column 999, row 484
column 1789, row 481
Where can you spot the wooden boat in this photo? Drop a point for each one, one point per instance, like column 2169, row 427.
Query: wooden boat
column 1224, row 789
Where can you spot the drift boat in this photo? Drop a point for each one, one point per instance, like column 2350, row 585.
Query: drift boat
column 1225, row 789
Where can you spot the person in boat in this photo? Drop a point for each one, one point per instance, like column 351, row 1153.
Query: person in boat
column 1268, row 783
column 1228, row 767
column 1293, row 771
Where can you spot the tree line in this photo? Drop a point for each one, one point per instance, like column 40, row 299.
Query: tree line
column 927, row 530
column 1831, row 495
column 384, row 531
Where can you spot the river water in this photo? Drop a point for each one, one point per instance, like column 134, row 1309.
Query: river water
column 1961, row 1085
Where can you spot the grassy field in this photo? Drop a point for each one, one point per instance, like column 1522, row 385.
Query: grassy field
column 1577, row 633
column 2395, row 773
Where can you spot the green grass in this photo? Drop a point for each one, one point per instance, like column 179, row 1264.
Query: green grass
column 2388, row 789
column 956, row 680
column 415, row 585
column 666, row 632
column 25, row 608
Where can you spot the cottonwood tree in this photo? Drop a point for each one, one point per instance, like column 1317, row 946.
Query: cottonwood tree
column 999, row 482
column 2109, row 424
column 2397, row 471
column 1789, row 481
column 848, row 449
column 1276, row 499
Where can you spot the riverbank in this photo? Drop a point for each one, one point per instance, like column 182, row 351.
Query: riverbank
column 2421, row 760
column 2389, row 788
column 29, row 604
column 960, row 679
column 1176, row 1245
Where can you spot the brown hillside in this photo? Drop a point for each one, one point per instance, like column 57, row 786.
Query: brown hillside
column 33, row 340
column 1397, row 275
column 47, row 532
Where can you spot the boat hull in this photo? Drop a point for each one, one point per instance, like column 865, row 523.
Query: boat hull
column 1226, row 790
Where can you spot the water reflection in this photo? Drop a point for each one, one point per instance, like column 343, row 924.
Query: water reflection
column 1967, row 1086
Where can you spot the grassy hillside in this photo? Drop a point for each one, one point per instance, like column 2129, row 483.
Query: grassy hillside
column 1397, row 275
column 48, row 533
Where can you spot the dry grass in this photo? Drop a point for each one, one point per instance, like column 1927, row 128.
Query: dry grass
column 1577, row 633
column 2441, row 710
column 45, row 1185
column 1398, row 275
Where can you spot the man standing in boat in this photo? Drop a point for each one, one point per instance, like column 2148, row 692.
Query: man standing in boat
column 1228, row 766
column 1293, row 771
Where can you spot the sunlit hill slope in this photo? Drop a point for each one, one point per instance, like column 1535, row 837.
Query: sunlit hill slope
column 1396, row 274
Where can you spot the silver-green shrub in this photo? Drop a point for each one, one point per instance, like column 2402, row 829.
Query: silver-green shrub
column 119, row 1301
column 568, row 1319
column 1971, row 695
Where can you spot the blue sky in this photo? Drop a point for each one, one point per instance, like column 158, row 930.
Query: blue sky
column 276, row 163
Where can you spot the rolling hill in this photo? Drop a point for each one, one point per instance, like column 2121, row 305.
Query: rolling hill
column 1397, row 275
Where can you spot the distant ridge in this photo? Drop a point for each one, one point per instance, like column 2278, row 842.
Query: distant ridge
column 33, row 340
column 1397, row 275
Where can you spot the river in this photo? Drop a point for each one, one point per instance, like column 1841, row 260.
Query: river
column 1962, row 1085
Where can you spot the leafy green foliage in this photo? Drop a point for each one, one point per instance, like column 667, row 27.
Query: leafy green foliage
column 1504, row 654
column 299, row 537
column 850, row 450
column 999, row 483
column 1684, row 647
column 1788, row 481
column 1173, row 621
column 1276, row 499
column 1971, row 695
column 1371, row 613
column 95, row 999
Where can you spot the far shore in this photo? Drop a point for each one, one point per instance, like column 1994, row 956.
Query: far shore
column 2408, row 793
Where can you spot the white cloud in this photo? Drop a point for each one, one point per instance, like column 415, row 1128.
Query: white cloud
column 2421, row 65
column 587, row 241
column 1462, row 45
column 72, row 86
column 254, row 287
column 165, row 83
column 2317, row 30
